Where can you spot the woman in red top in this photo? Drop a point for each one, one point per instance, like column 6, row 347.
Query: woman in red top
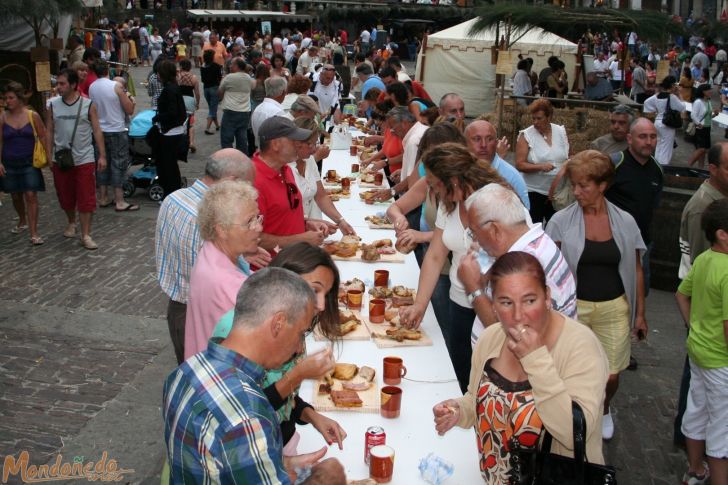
column 391, row 152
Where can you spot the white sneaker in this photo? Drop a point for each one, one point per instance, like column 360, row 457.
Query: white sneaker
column 607, row 426
column 693, row 479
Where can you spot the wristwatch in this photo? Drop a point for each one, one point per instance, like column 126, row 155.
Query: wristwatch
column 472, row 296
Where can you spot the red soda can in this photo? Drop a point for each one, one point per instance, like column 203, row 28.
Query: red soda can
column 374, row 436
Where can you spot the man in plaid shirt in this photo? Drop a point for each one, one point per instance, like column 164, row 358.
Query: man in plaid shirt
column 219, row 426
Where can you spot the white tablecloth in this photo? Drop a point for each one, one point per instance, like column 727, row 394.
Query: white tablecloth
column 412, row 435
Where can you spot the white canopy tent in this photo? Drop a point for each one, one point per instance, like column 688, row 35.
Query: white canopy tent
column 454, row 61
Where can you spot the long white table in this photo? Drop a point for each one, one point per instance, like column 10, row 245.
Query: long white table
column 430, row 376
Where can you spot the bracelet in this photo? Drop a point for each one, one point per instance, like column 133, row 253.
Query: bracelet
column 339, row 219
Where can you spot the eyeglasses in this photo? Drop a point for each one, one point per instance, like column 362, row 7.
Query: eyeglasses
column 314, row 323
column 251, row 224
column 293, row 199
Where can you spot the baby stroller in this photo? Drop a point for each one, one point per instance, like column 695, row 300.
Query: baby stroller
column 141, row 154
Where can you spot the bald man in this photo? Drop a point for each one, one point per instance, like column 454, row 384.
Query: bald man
column 483, row 143
column 177, row 239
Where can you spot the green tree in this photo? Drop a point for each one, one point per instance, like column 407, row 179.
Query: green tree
column 39, row 13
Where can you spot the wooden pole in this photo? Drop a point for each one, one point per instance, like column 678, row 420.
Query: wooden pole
column 503, row 81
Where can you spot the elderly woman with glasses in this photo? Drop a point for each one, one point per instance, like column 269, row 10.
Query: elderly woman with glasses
column 230, row 226
column 603, row 247
column 308, row 178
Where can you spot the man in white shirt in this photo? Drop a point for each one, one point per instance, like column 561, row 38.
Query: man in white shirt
column 113, row 104
column 307, row 61
column 275, row 89
column 601, row 65
column 306, row 43
column 365, row 38
column 327, row 90
column 615, row 72
column 291, row 49
column 206, row 34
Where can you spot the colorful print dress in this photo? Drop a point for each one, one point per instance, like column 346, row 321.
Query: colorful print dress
column 505, row 412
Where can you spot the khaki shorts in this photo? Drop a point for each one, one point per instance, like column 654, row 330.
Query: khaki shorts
column 609, row 320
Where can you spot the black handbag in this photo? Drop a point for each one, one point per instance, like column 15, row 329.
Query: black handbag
column 64, row 156
column 541, row 467
column 671, row 117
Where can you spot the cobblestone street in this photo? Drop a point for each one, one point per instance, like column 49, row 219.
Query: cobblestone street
column 84, row 347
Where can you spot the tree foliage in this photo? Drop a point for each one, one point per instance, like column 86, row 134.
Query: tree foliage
column 572, row 23
column 39, row 13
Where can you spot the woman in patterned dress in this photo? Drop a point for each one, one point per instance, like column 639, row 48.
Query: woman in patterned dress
column 527, row 369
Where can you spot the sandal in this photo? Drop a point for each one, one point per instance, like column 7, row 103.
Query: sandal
column 208, row 132
column 128, row 208
column 193, row 148
column 105, row 204
column 19, row 229
column 36, row 241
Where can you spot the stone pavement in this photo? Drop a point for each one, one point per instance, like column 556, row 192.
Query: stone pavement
column 84, row 348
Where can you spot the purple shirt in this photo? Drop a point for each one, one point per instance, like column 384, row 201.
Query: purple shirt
column 18, row 144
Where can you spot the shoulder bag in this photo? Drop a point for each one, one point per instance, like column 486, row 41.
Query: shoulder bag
column 671, row 117
column 39, row 154
column 541, row 467
column 64, row 156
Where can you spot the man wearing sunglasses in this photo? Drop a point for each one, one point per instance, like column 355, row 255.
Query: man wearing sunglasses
column 327, row 89
column 279, row 200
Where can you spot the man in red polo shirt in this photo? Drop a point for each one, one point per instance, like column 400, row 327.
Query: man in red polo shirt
column 279, row 199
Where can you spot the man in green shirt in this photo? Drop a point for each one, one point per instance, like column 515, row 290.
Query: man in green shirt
column 703, row 301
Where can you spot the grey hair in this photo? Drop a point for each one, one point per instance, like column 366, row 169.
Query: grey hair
column 269, row 291
column 223, row 165
column 299, row 105
column 623, row 109
column 446, row 97
column 275, row 86
column 401, row 113
column 221, row 204
column 496, row 203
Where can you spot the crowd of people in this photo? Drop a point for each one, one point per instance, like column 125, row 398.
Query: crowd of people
column 537, row 271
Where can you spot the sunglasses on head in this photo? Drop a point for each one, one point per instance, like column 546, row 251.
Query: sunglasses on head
column 292, row 193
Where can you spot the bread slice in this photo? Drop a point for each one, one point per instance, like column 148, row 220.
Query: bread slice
column 345, row 372
column 346, row 399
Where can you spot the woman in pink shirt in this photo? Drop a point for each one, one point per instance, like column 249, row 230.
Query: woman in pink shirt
column 230, row 227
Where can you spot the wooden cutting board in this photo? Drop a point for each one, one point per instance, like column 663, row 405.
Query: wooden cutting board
column 384, row 258
column 370, row 398
column 386, row 343
column 380, row 226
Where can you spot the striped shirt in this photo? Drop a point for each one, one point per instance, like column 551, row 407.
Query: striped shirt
column 558, row 275
column 178, row 240
column 218, row 425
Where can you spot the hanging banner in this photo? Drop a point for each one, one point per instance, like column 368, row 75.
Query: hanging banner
column 504, row 65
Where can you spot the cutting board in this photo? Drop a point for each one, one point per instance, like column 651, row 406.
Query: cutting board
column 380, row 226
column 385, row 343
column 384, row 258
column 370, row 398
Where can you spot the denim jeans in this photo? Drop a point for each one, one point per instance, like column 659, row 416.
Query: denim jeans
column 234, row 127
column 461, row 350
column 212, row 101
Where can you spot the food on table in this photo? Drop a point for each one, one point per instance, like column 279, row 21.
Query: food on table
column 344, row 372
column 369, row 252
column 381, row 292
column 368, row 177
column 350, row 239
column 380, row 243
column 405, row 247
column 402, row 296
column 347, row 322
column 366, row 481
column 367, row 373
column 340, row 191
column 355, row 284
column 378, row 220
column 400, row 334
column 346, row 398
column 356, row 386
column 324, row 388
column 345, row 248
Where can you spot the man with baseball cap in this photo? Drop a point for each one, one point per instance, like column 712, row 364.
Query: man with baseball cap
column 279, row 200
